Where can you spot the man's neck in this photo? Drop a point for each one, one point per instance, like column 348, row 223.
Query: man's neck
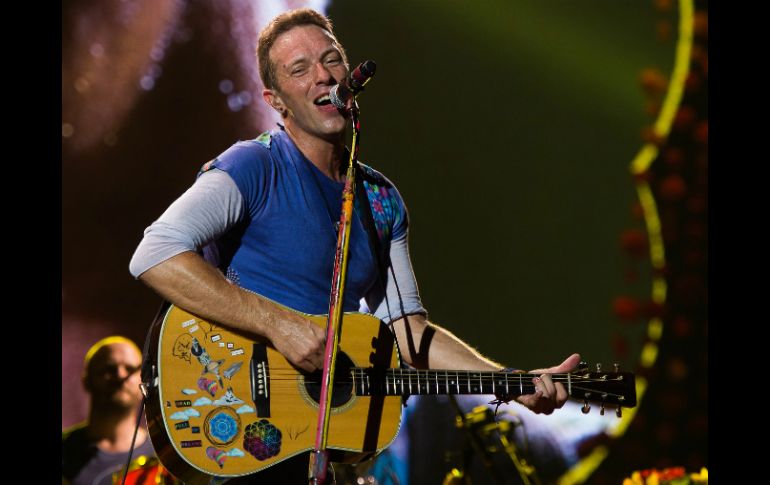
column 326, row 155
column 113, row 431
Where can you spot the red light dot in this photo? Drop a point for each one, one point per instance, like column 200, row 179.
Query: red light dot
column 673, row 188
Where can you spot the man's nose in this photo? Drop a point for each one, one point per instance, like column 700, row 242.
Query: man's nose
column 323, row 75
column 122, row 372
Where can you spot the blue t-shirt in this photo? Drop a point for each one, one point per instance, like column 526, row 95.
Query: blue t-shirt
column 285, row 245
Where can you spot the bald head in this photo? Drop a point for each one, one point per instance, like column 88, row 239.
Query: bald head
column 111, row 373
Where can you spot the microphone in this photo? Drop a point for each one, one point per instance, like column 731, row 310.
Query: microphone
column 341, row 93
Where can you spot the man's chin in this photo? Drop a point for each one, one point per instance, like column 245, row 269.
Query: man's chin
column 128, row 402
column 120, row 402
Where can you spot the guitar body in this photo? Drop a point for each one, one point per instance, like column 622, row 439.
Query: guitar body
column 227, row 404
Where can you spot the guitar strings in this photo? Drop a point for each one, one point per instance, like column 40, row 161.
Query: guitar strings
column 434, row 375
column 291, row 389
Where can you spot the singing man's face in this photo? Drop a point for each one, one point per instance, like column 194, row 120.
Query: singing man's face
column 307, row 61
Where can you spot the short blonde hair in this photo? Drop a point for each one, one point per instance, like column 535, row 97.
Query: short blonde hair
column 113, row 339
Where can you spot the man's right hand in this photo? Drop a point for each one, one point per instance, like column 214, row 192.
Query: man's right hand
column 298, row 339
column 193, row 284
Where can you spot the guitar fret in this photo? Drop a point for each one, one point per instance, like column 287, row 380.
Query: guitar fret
column 521, row 386
column 410, row 382
column 493, row 383
column 387, row 388
column 353, row 375
column 457, row 380
column 446, row 382
column 481, row 384
column 395, row 391
column 399, row 380
column 506, row 385
column 468, row 381
column 436, row 374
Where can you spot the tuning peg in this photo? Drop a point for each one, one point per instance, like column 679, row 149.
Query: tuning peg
column 583, row 365
column 619, row 412
column 598, row 367
column 616, row 366
column 586, row 407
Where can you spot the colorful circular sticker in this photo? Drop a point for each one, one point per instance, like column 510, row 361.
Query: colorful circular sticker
column 262, row 439
column 222, row 426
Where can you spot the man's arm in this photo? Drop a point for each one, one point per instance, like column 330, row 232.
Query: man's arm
column 193, row 284
column 167, row 262
column 426, row 345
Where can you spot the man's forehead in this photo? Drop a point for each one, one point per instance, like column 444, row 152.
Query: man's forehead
column 115, row 353
column 301, row 41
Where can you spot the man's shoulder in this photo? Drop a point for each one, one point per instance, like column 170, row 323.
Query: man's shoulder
column 374, row 177
column 261, row 143
column 264, row 139
column 244, row 153
column 74, row 440
column 74, row 432
column 76, row 451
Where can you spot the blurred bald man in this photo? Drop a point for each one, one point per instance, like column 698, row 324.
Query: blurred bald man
column 95, row 449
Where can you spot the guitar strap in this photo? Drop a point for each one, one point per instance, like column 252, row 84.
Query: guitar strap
column 380, row 256
column 368, row 222
column 149, row 371
column 148, row 375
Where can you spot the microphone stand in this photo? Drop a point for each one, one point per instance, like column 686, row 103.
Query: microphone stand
column 319, row 457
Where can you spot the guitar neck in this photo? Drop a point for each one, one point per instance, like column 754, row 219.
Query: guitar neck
column 401, row 382
column 616, row 387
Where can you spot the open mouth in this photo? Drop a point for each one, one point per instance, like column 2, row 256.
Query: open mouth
column 323, row 100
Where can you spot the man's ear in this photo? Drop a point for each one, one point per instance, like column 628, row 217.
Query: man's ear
column 274, row 99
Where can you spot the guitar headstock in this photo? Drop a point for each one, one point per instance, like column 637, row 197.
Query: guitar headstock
column 614, row 388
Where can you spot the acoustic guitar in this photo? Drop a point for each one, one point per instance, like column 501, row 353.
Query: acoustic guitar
column 225, row 404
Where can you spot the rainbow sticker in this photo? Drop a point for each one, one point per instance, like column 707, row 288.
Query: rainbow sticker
column 208, row 385
column 217, row 455
column 262, row 440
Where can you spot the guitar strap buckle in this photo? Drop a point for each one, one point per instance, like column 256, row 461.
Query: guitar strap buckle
column 150, row 383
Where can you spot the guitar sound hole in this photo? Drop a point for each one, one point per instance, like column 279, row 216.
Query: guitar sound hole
column 342, row 391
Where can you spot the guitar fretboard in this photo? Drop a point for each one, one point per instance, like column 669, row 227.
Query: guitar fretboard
column 400, row 382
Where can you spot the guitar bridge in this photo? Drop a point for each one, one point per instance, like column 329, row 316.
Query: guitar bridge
column 260, row 380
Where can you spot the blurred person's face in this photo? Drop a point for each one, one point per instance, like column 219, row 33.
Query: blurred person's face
column 113, row 376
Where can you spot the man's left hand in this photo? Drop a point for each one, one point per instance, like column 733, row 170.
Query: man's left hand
column 549, row 395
